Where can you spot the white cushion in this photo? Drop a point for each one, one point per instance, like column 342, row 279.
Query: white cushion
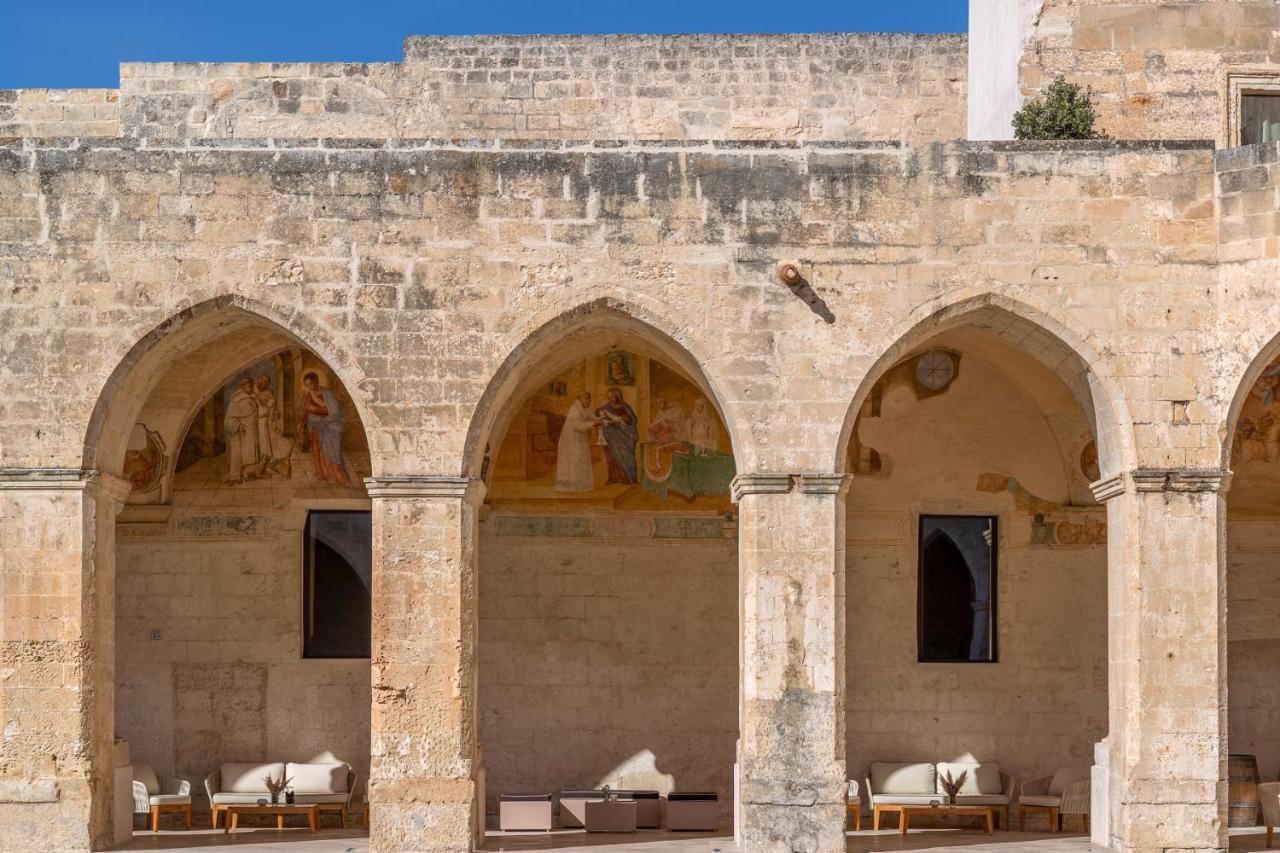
column 978, row 778
column 329, row 778
column 305, row 799
column 982, row 800
column 907, row 799
column 144, row 774
column 1067, row 776
column 887, row 778
column 248, row 778
column 240, row 799
column 1039, row 800
column 171, row 800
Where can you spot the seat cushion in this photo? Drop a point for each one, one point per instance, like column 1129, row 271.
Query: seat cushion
column 524, row 798
column 1068, row 776
column 170, row 799
column 1039, row 800
column 307, row 799
column 888, row 778
column 692, row 796
column 144, row 774
column 978, row 778
column 907, row 799
column 982, row 800
column 328, row 778
column 249, row 778
column 225, row 799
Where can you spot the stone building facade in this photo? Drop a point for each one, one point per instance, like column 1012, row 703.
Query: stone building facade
column 461, row 247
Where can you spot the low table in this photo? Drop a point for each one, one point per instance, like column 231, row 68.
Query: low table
column 234, row 810
column 904, row 818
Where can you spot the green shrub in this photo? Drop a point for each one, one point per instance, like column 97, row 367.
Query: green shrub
column 1063, row 111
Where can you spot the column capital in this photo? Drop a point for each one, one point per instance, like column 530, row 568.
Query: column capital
column 780, row 483
column 1190, row 480
column 425, row 486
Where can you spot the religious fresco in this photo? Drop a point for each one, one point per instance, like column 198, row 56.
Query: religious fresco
column 145, row 460
column 1255, row 448
column 285, row 418
column 1051, row 522
column 616, row 431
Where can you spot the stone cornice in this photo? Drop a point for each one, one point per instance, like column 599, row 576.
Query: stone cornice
column 46, row 479
column 1163, row 480
column 423, row 486
column 759, row 484
column 779, row 483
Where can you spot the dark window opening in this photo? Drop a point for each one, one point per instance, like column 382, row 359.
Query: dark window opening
column 956, row 601
column 337, row 574
column 1259, row 118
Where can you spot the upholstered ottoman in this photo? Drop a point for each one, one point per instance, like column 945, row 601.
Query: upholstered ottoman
column 693, row 811
column 610, row 815
column 524, row 812
column 573, row 807
column 648, row 807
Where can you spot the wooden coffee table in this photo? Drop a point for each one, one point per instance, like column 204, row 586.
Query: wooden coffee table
column 987, row 812
column 234, row 810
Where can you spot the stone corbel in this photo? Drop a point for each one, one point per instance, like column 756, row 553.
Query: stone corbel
column 759, row 484
column 1187, row 480
column 823, row 484
column 425, row 486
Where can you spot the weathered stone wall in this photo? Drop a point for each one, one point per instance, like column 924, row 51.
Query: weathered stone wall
column 837, row 87
column 59, row 112
column 607, row 662
column 1158, row 69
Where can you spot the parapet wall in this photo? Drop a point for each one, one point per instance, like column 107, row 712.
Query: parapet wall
column 59, row 112
column 841, row 87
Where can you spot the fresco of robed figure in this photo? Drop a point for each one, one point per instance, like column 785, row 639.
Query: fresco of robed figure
column 585, row 439
column 284, row 419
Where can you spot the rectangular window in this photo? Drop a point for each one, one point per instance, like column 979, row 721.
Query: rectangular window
column 1259, row 118
column 336, row 584
column 1253, row 106
column 956, row 589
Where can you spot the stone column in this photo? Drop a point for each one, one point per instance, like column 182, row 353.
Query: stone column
column 57, row 658
column 1164, row 756
column 791, row 577
column 424, row 745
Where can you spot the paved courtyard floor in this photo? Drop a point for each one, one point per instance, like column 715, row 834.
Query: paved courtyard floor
column 357, row 841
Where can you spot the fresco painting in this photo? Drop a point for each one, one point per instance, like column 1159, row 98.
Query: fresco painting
column 284, row 418
column 1256, row 447
column 619, row 430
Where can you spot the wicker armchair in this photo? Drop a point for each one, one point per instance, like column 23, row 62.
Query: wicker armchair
column 153, row 796
column 1269, row 794
column 1064, row 793
column 853, row 804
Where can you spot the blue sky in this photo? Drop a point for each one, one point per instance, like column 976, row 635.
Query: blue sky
column 65, row 43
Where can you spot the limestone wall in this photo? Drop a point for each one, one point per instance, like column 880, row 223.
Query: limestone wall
column 838, row 87
column 59, row 112
column 608, row 662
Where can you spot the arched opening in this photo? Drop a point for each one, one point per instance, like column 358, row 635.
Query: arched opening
column 607, row 572
column 976, row 566
column 242, row 560
column 1252, row 455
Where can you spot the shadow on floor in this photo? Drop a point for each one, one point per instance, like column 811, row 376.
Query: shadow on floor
column 252, row 840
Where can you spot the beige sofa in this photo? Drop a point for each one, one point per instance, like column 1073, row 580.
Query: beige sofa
column 329, row 785
column 890, row 786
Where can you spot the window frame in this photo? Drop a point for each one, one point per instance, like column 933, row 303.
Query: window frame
column 306, row 584
column 1262, row 80
column 994, row 518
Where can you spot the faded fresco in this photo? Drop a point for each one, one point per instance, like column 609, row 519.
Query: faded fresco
column 284, row 419
column 617, row 431
column 1255, row 451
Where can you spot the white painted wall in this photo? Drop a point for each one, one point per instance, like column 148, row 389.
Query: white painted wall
column 998, row 33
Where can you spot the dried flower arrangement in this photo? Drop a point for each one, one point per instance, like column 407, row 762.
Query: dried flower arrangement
column 953, row 786
column 275, row 786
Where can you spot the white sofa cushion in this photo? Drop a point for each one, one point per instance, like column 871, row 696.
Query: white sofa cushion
column 144, row 774
column 240, row 799
column 907, row 799
column 1067, row 776
column 888, row 778
column 305, row 799
column 248, row 778
column 170, row 800
column 1039, row 800
column 982, row 800
column 978, row 779
column 327, row 778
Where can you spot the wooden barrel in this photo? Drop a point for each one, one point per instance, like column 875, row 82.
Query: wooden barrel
column 1242, row 790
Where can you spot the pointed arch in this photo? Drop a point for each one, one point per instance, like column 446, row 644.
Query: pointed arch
column 595, row 324
column 132, row 380
column 1052, row 343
